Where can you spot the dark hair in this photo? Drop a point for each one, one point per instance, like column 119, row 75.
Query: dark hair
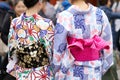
column 30, row 3
column 102, row 2
column 48, row 0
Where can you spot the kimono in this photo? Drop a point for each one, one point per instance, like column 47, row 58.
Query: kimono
column 82, row 25
column 26, row 30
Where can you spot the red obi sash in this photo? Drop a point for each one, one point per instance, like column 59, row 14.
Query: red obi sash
column 86, row 49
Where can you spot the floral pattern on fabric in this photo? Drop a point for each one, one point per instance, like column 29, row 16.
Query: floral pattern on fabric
column 26, row 30
column 82, row 25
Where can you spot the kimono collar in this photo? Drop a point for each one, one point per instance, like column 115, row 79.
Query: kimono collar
column 30, row 18
column 76, row 9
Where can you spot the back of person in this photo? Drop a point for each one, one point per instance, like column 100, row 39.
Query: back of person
column 30, row 42
column 76, row 30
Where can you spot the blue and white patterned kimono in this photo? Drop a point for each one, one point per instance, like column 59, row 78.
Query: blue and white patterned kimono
column 83, row 25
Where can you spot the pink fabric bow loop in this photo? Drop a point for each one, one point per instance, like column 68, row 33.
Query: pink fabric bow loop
column 86, row 49
column 100, row 43
column 76, row 45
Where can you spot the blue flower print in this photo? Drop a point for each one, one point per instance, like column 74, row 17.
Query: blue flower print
column 64, row 69
column 47, row 20
column 62, row 47
column 59, row 28
column 99, row 16
column 43, row 33
column 19, row 26
column 97, row 69
column 48, row 70
column 79, row 21
column 55, row 68
column 78, row 71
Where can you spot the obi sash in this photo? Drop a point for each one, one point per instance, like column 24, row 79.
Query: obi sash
column 86, row 49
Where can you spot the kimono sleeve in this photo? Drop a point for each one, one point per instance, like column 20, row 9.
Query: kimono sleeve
column 107, row 36
column 11, row 43
column 60, row 54
column 11, row 35
column 50, row 39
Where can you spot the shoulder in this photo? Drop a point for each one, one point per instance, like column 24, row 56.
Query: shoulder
column 97, row 10
column 12, row 12
column 49, row 21
column 15, row 21
column 64, row 14
column 43, row 20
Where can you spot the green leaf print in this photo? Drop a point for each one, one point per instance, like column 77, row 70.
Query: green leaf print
column 32, row 19
column 31, row 38
column 26, row 72
column 19, row 74
column 42, row 41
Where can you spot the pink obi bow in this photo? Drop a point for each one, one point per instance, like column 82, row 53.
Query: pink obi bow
column 86, row 49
